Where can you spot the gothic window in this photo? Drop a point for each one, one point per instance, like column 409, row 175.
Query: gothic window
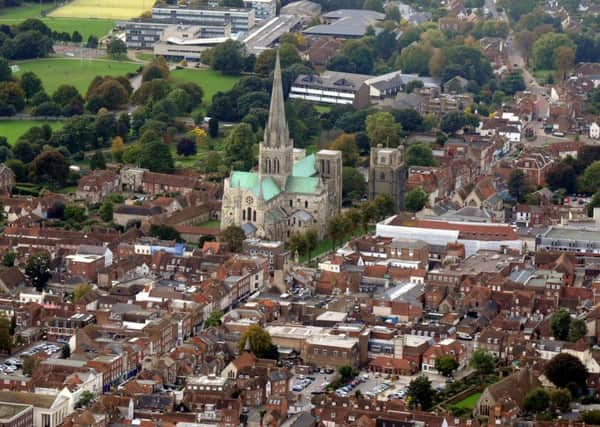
column 254, row 216
column 382, row 176
column 291, row 203
column 306, row 204
column 249, row 200
column 328, row 167
column 249, row 214
column 275, row 165
column 243, row 215
column 267, row 165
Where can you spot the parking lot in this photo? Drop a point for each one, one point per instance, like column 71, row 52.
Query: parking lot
column 369, row 384
column 13, row 365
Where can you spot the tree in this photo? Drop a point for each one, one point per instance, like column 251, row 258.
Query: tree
column 116, row 48
column 76, row 37
column 354, row 185
column 419, row 154
column 513, row 82
column 536, row 401
column 8, row 260
column 31, row 84
column 383, row 129
column 467, row 62
column 117, row 148
column 560, row 399
column 92, row 42
column 446, row 364
column 420, row 393
column 214, row 319
column 415, row 59
column 591, row 176
column 186, row 147
column 385, row 205
column 564, row 58
column 164, row 232
column 49, row 167
column 156, row 156
column 347, row 373
column 66, row 351
column 213, row 127
column 106, row 211
column 311, row 236
column 577, row 330
column 111, row 92
column 81, row 291
column 37, row 270
column 337, row 227
column 233, row 236
column 97, row 161
column 517, row 186
column 567, row 371
column 6, row 340
column 456, row 120
column 258, row 339
column 29, row 365
column 544, row 49
column 346, row 143
column 85, row 398
column 12, row 98
column 156, row 69
column 227, row 58
column 562, row 175
column 297, row 244
column 482, row 362
column 560, row 323
column 74, row 214
column 591, row 417
column 415, row 200
column 238, row 147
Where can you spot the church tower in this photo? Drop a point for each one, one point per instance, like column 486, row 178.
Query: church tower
column 276, row 158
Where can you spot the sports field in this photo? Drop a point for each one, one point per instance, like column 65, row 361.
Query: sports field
column 76, row 72
column 86, row 27
column 13, row 129
column 103, row 9
column 210, row 81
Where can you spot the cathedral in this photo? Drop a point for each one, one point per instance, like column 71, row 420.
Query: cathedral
column 289, row 191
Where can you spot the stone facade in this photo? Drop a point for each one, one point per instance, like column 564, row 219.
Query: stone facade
column 290, row 191
column 387, row 174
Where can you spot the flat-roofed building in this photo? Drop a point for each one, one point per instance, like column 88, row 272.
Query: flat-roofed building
column 474, row 237
column 49, row 410
column 332, row 87
column 15, row 415
column 332, row 351
column 346, row 23
column 263, row 9
column 583, row 242
column 145, row 33
column 241, row 20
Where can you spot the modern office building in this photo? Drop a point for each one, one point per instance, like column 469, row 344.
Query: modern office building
column 185, row 42
column 263, row 9
column 241, row 20
column 332, row 87
column 144, row 33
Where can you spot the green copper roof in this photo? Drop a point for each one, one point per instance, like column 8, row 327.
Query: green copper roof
column 249, row 181
column 301, row 184
column 270, row 188
column 243, row 180
column 305, row 167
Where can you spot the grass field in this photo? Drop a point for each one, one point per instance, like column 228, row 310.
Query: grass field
column 102, row 9
column 87, row 27
column 78, row 73
column 13, row 129
column 468, row 402
column 210, row 81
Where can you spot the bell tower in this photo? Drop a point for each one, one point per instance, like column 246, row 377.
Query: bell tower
column 276, row 150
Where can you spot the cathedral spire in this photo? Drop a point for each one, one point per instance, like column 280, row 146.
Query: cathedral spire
column 276, row 132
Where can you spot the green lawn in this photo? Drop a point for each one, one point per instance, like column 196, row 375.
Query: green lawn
column 13, row 129
column 468, row 402
column 323, row 108
column 87, row 27
column 143, row 56
column 213, row 224
column 76, row 72
column 210, row 81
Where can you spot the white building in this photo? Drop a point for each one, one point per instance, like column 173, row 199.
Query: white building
column 595, row 131
column 263, row 9
column 331, row 87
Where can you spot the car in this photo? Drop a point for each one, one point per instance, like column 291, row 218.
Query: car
column 297, row 387
column 245, row 410
column 321, row 371
column 558, row 134
column 329, row 371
